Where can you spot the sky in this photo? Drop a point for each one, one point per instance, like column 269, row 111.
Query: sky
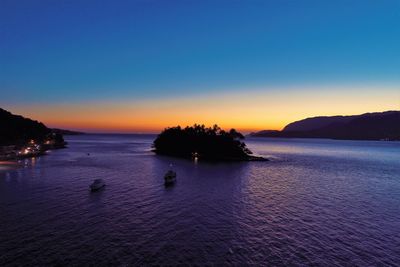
column 141, row 66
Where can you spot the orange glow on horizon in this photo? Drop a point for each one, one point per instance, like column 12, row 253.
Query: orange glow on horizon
column 246, row 111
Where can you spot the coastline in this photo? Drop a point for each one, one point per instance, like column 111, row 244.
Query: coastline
column 212, row 159
column 30, row 150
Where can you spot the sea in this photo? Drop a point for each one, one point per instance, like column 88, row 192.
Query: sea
column 317, row 202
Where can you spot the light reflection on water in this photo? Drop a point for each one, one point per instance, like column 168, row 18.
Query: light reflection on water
column 318, row 202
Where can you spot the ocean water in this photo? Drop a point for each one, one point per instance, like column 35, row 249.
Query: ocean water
column 316, row 203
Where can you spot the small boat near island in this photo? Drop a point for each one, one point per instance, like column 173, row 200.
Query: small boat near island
column 170, row 178
column 97, row 185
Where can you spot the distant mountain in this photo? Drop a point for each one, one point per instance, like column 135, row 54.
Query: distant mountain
column 315, row 123
column 368, row 126
column 66, row 132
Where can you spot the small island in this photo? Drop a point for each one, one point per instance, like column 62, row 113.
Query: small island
column 203, row 143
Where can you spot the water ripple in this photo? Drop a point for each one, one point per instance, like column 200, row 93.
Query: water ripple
column 317, row 203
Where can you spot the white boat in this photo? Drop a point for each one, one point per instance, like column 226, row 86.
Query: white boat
column 97, row 184
column 170, row 177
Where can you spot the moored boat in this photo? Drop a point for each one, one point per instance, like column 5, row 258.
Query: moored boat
column 170, row 177
column 97, row 185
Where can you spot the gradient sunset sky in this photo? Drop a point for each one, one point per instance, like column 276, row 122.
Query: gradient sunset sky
column 140, row 66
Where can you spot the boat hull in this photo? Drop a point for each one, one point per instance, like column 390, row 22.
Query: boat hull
column 96, row 188
column 169, row 181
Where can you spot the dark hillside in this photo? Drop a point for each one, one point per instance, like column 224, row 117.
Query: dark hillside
column 368, row 126
column 15, row 129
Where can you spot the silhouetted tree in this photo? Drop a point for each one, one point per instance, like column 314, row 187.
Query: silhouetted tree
column 210, row 143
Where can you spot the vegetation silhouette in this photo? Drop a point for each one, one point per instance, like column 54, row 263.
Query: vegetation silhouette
column 22, row 137
column 16, row 129
column 204, row 143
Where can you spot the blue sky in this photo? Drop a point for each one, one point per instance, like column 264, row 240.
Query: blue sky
column 70, row 52
column 57, row 50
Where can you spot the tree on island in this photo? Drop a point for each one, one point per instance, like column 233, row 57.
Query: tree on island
column 210, row 143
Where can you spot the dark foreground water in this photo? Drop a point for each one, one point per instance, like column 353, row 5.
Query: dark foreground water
column 318, row 202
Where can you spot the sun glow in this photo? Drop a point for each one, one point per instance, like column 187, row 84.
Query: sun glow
column 245, row 110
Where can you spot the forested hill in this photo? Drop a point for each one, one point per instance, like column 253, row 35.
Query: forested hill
column 15, row 129
column 368, row 126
